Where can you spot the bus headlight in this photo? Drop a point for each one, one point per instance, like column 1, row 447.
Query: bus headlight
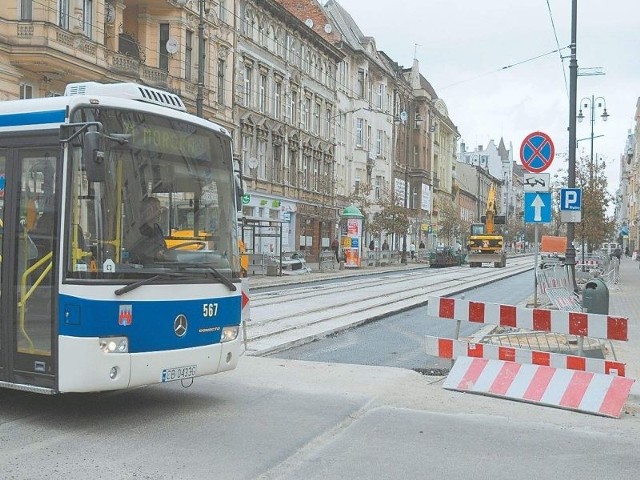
column 114, row 344
column 229, row 334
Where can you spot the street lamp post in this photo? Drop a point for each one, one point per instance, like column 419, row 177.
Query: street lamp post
column 404, row 118
column 591, row 103
column 201, row 55
column 570, row 254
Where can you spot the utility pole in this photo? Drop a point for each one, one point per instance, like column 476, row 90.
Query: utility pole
column 570, row 254
column 201, row 54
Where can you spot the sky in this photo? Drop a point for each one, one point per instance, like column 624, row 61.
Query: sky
column 463, row 45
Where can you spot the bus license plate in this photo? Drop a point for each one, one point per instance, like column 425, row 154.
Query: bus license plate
column 178, row 373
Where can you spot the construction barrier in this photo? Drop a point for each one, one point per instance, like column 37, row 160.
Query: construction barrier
column 553, row 379
column 568, row 389
column 452, row 349
column 572, row 323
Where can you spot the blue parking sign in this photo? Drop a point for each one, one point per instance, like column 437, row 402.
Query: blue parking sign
column 571, row 199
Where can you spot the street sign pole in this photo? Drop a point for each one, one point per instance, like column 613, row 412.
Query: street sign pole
column 537, row 152
column 535, row 267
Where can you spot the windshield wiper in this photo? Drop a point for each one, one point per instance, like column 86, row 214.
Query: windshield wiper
column 145, row 281
column 208, row 268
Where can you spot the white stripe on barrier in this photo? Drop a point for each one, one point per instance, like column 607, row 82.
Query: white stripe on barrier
column 558, row 321
column 452, row 349
column 568, row 389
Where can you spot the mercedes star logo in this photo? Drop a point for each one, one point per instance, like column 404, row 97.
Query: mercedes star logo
column 180, row 325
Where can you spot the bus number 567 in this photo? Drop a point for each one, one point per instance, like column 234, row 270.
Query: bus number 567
column 209, row 309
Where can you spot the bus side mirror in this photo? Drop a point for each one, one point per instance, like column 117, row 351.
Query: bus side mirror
column 239, row 192
column 93, row 154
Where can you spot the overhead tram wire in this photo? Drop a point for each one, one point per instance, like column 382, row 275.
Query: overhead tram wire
column 506, row 67
column 555, row 34
column 348, row 88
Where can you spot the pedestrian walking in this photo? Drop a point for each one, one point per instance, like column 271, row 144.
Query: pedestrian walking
column 421, row 246
column 335, row 246
column 372, row 245
column 385, row 245
column 412, row 249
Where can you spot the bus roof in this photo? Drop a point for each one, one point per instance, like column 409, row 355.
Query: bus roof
column 51, row 112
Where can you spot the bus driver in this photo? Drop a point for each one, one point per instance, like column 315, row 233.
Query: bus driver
column 150, row 244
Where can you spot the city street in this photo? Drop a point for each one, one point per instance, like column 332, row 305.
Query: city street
column 275, row 418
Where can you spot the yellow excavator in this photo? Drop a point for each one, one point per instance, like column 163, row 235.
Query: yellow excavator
column 485, row 245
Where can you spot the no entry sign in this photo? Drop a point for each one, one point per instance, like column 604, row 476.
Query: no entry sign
column 536, row 152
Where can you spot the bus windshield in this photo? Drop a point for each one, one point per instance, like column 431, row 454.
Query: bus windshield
column 163, row 200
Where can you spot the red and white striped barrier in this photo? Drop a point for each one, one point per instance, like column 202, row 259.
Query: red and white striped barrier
column 452, row 349
column 573, row 323
column 569, row 389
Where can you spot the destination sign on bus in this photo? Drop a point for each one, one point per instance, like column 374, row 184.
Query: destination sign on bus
column 165, row 140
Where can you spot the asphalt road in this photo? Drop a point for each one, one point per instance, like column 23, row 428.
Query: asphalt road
column 398, row 340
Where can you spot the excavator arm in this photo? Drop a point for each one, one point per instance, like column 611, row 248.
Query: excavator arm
column 492, row 210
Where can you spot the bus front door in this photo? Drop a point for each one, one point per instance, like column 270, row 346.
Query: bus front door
column 29, row 215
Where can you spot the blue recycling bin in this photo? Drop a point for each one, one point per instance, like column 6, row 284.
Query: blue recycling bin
column 595, row 297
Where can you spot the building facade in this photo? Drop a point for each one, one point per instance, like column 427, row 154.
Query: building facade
column 50, row 43
column 366, row 121
column 285, row 107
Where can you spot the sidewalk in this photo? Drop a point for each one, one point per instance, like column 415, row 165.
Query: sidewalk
column 624, row 301
column 261, row 281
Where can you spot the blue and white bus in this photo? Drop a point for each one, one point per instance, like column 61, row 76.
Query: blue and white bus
column 102, row 285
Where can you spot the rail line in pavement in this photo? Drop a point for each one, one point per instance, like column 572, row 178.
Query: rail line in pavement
column 307, row 313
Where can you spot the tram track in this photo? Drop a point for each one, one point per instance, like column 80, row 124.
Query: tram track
column 312, row 312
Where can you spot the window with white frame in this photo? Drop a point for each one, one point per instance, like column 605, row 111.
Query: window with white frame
column 306, row 170
column 378, row 188
column 293, row 108
column 277, row 164
column 327, row 122
column 360, row 84
column 379, row 139
column 262, row 99
column 293, row 167
column 26, row 91
column 222, row 10
column 316, row 118
column 380, row 96
column 359, row 132
column 26, row 10
column 279, row 44
column 163, row 58
column 262, row 159
column 317, row 165
column 246, row 152
column 188, row 55
column 341, row 127
column 369, row 137
column 246, row 91
column 63, row 14
column 221, row 90
column 307, row 113
column 277, row 99
column 288, row 52
column 87, row 18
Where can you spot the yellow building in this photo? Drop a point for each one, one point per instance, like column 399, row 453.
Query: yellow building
column 46, row 44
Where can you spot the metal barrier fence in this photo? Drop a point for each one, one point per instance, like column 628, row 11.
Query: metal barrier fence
column 556, row 285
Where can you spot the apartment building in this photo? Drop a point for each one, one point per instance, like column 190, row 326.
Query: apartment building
column 285, row 109
column 50, row 43
column 367, row 115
